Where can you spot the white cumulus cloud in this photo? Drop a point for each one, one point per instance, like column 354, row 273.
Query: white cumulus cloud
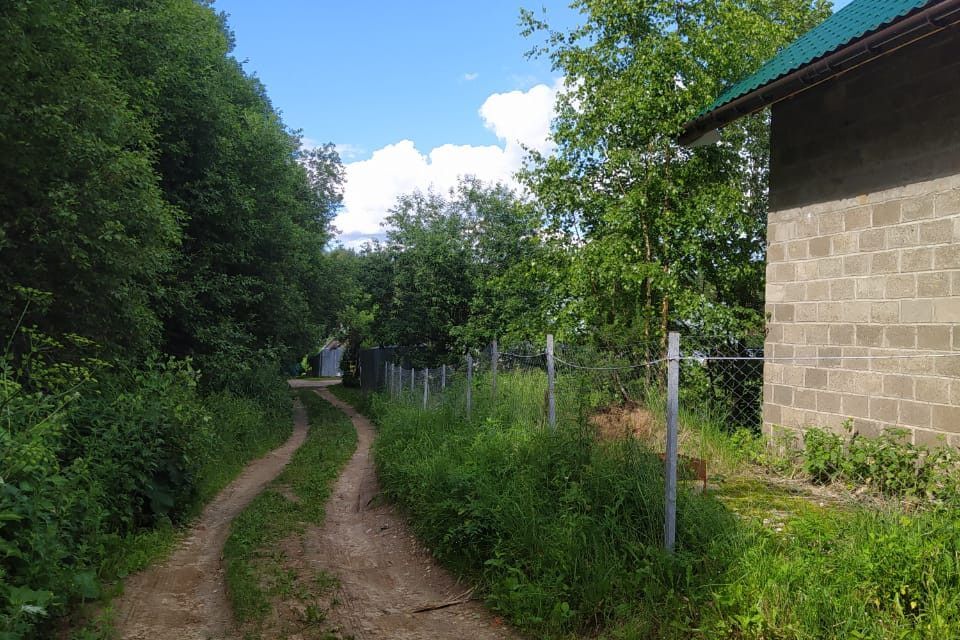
column 517, row 118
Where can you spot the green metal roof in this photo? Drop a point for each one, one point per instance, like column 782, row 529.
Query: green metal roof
column 847, row 25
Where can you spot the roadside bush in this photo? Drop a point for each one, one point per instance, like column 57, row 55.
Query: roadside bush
column 86, row 463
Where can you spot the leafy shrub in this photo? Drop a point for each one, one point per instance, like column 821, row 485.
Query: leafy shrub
column 888, row 463
column 85, row 463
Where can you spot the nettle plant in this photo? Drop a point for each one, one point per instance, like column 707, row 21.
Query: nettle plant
column 889, row 463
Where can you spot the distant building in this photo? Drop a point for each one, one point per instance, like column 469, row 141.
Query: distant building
column 326, row 363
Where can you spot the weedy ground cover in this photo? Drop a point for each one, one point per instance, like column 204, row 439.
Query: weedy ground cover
column 562, row 529
column 257, row 572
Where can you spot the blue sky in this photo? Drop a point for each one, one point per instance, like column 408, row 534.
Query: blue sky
column 367, row 73
column 414, row 93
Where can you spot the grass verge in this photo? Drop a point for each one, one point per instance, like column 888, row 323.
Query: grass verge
column 353, row 396
column 562, row 532
column 258, row 573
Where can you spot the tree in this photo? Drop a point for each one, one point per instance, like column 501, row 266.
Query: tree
column 661, row 236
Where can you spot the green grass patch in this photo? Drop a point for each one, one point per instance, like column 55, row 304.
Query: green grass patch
column 562, row 530
column 256, row 573
column 355, row 397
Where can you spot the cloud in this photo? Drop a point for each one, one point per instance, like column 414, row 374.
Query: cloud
column 349, row 152
column 518, row 118
column 470, row 76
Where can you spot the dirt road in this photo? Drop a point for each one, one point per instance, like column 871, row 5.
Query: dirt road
column 385, row 575
column 184, row 598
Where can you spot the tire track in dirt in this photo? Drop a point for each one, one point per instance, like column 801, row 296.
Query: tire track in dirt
column 184, row 598
column 384, row 573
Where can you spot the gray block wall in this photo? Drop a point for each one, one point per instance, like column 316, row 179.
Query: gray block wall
column 863, row 274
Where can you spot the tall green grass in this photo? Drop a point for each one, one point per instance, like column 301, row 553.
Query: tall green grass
column 562, row 532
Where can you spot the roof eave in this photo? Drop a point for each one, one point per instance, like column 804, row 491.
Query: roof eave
column 913, row 27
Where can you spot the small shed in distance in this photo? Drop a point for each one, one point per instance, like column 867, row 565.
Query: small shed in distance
column 863, row 236
column 326, row 363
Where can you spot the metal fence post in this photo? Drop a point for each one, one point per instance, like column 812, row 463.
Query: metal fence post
column 670, row 460
column 426, row 386
column 443, row 377
column 386, row 374
column 551, row 397
column 469, row 385
column 494, row 357
column 413, row 379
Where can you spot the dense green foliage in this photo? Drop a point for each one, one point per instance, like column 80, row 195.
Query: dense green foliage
column 161, row 250
column 88, row 463
column 658, row 236
column 254, row 574
column 562, row 531
column 454, row 270
column 149, row 186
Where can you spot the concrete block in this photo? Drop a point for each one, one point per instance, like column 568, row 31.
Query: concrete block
column 884, row 312
column 920, row 259
column 898, row 386
column 869, row 335
column 886, row 213
column 915, row 414
column 933, row 390
column 857, row 218
column 821, row 247
column 900, row 336
column 946, row 257
column 806, row 312
column 842, row 334
column 818, row 290
column 947, row 203
column 856, row 265
column 902, row 286
column 936, row 231
column 917, row 208
column 842, row 289
column 885, row 262
column 830, row 267
column 946, row 310
column 873, row 239
column 776, row 252
column 933, row 284
column 916, row 310
column 886, row 410
column 946, row 418
column 828, row 401
column 814, row 378
column 934, row 337
column 871, row 288
column 797, row 249
column 830, row 222
column 855, row 405
column 906, row 235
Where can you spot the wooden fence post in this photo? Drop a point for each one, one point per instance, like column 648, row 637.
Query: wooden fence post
column 670, row 459
column 551, row 397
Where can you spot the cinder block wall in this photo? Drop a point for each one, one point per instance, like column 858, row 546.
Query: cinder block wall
column 864, row 249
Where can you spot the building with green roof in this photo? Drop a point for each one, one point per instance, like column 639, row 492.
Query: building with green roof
column 863, row 236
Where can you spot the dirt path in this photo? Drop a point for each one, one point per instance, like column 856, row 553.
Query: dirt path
column 184, row 598
column 384, row 574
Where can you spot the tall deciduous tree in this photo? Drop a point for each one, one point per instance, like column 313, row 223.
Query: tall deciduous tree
column 661, row 235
